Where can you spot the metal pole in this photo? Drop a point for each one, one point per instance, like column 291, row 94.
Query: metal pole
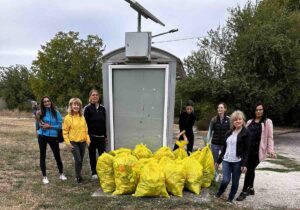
column 139, row 22
column 171, row 31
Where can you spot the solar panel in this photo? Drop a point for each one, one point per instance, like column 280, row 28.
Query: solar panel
column 144, row 12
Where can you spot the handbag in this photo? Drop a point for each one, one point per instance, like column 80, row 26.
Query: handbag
column 60, row 136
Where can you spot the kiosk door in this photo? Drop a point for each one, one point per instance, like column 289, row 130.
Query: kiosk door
column 138, row 106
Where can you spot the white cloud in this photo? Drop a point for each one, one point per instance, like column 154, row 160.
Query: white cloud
column 26, row 25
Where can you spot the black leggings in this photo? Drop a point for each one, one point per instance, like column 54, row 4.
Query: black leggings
column 190, row 145
column 97, row 143
column 54, row 145
column 253, row 162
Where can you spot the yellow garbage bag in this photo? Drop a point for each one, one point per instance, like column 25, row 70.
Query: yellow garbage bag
column 208, row 167
column 105, row 171
column 120, row 151
column 151, row 181
column 193, row 175
column 180, row 152
column 175, row 177
column 141, row 151
column 125, row 178
column 137, row 167
column 164, row 151
column 164, row 160
column 198, row 155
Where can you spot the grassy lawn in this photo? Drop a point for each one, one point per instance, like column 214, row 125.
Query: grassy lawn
column 21, row 181
column 290, row 165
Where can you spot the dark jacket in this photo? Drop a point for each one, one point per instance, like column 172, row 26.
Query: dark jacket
column 186, row 122
column 219, row 129
column 96, row 120
column 242, row 148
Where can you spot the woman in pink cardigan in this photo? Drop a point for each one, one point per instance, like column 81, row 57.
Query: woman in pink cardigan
column 262, row 143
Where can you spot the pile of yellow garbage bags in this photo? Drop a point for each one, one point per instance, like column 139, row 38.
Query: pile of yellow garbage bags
column 145, row 174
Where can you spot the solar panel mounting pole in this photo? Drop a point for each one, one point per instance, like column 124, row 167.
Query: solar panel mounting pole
column 142, row 12
column 139, row 22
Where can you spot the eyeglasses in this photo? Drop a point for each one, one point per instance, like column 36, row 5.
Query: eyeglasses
column 259, row 110
column 46, row 101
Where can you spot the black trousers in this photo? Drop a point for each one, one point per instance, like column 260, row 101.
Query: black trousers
column 253, row 162
column 97, row 143
column 54, row 145
column 78, row 153
column 190, row 145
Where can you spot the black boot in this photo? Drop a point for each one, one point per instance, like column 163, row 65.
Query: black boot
column 250, row 191
column 242, row 196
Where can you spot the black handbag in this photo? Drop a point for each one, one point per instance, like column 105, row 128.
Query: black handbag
column 60, row 136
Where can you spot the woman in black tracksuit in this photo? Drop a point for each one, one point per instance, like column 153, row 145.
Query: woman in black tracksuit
column 95, row 117
column 186, row 122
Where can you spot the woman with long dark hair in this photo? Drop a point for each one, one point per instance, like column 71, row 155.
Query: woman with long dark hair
column 186, row 122
column 261, row 144
column 50, row 123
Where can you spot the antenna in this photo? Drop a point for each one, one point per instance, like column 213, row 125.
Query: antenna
column 142, row 12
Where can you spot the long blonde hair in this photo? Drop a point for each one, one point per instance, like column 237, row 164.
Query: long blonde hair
column 75, row 101
column 237, row 114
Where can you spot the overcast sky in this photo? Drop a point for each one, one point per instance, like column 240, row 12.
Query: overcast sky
column 27, row 24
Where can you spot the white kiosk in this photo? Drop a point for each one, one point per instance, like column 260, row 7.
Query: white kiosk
column 139, row 91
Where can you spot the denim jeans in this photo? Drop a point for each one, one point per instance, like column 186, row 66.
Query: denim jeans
column 231, row 170
column 216, row 150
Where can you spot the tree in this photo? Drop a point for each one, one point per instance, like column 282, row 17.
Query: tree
column 254, row 57
column 15, row 88
column 266, row 55
column 67, row 67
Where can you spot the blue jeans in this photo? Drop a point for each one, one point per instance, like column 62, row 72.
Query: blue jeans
column 230, row 171
column 216, row 150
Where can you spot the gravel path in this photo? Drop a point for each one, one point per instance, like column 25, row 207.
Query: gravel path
column 273, row 190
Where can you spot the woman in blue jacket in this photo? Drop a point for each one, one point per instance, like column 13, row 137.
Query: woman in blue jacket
column 50, row 122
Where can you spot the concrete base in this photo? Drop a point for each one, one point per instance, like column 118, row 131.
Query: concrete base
column 100, row 193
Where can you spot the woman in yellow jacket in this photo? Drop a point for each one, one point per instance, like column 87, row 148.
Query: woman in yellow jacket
column 75, row 134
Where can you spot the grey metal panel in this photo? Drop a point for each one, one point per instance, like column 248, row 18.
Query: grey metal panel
column 172, row 84
column 138, row 97
column 105, row 99
column 138, row 44
column 158, row 56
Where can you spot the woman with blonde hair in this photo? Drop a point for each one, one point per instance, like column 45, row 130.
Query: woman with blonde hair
column 75, row 134
column 234, row 154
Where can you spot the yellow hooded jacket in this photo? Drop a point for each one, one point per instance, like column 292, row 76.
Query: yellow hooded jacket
column 75, row 129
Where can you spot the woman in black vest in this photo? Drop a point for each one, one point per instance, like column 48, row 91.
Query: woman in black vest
column 218, row 127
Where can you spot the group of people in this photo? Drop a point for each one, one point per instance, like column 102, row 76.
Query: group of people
column 80, row 128
column 239, row 145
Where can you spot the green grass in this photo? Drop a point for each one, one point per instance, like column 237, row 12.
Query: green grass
column 21, row 186
column 289, row 164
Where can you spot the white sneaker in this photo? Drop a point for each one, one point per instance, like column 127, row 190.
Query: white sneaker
column 62, row 177
column 45, row 180
column 217, row 178
column 94, row 177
